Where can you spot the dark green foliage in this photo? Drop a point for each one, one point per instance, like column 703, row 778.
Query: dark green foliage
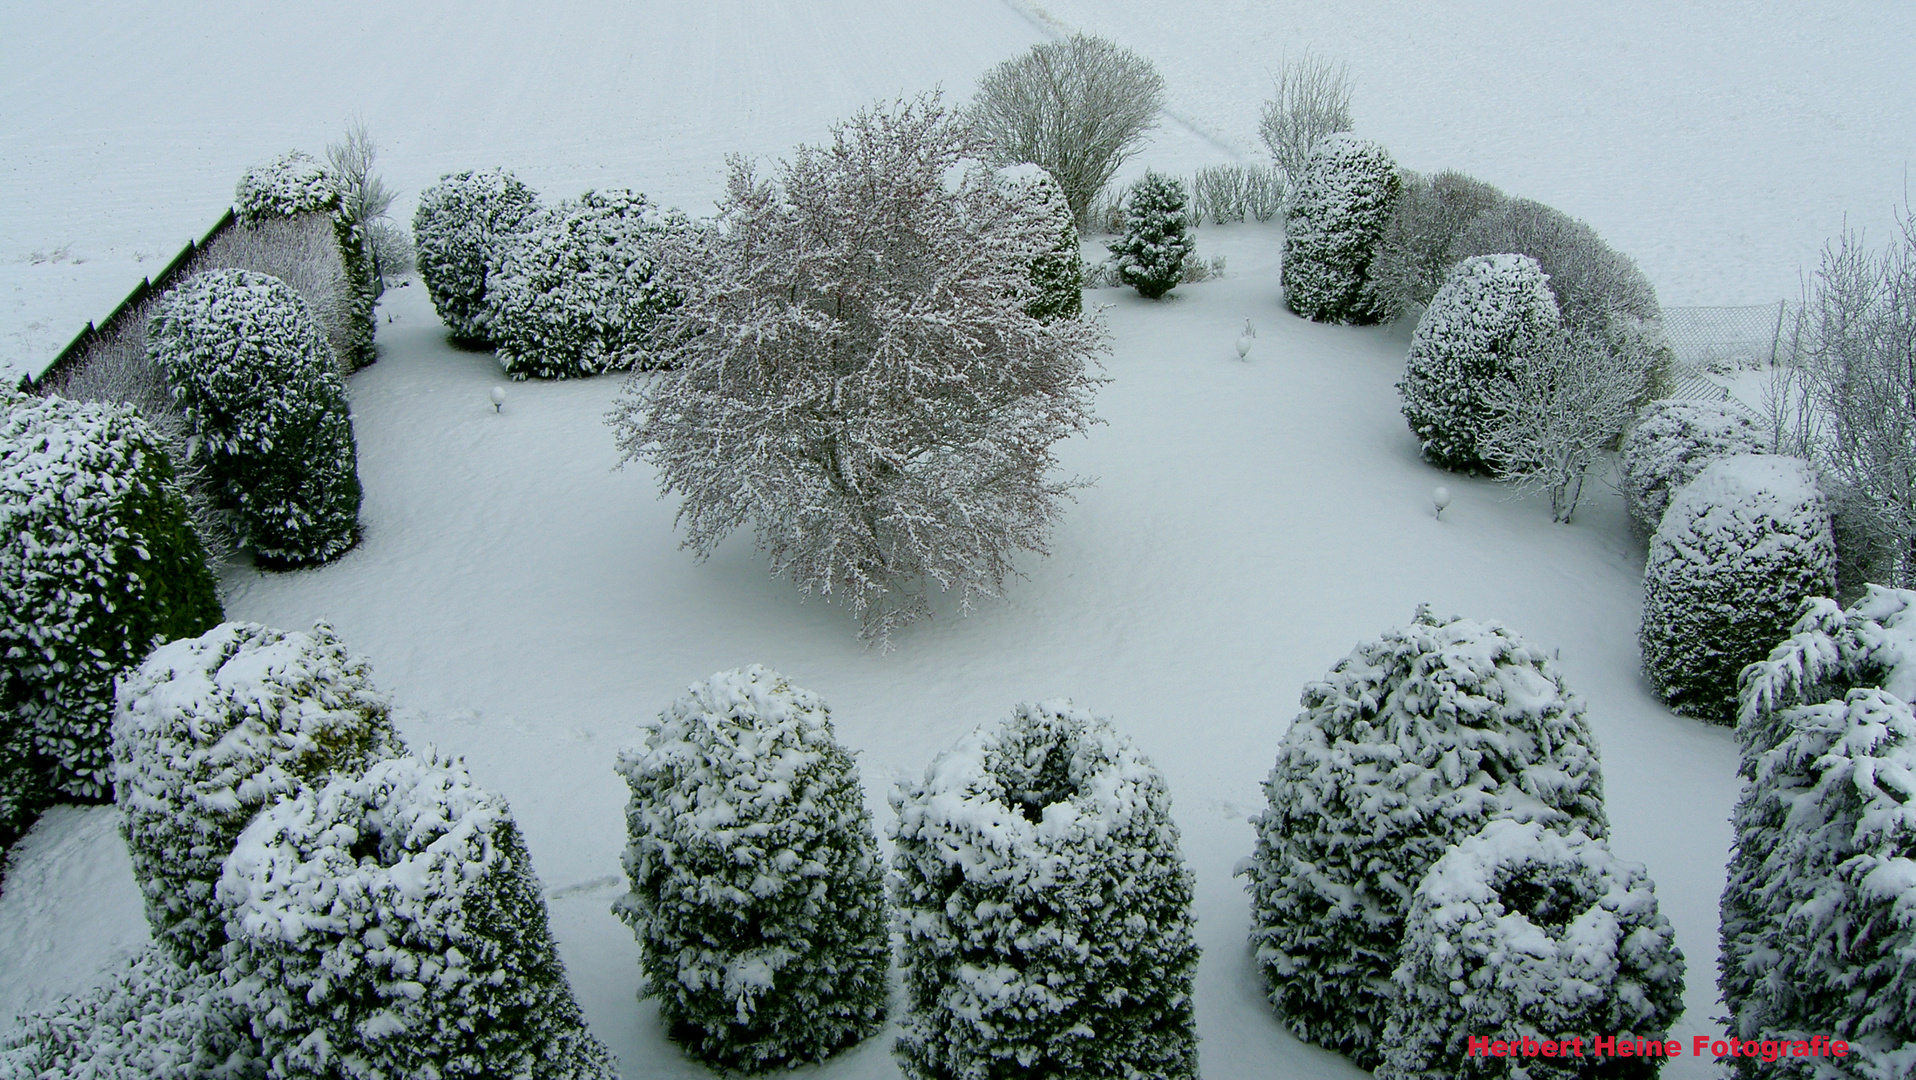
column 1150, row 257
column 1058, row 275
column 1339, row 211
column 460, row 226
column 296, row 184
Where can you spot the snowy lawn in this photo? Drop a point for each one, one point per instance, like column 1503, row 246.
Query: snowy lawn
column 527, row 604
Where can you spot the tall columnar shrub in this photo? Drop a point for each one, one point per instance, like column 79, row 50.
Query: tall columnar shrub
column 1738, row 551
column 1338, row 213
column 389, row 924
column 296, row 184
column 1491, row 310
column 244, row 360
column 1671, row 442
column 577, row 290
column 1522, row 931
column 211, row 729
column 1150, row 257
column 461, row 225
column 1410, row 744
column 100, row 563
column 1045, row 908
column 757, row 892
column 1057, row 276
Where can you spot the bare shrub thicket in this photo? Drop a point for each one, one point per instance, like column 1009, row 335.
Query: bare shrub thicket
column 1310, row 102
column 1418, row 248
column 365, row 203
column 1079, row 107
column 1221, row 194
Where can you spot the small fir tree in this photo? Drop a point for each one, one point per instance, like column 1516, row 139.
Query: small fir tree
column 1339, row 210
column 460, row 228
column 1151, row 256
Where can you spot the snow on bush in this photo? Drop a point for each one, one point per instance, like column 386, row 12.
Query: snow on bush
column 576, row 290
column 461, row 224
column 1417, row 251
column 100, row 563
column 1410, row 744
column 1593, row 282
column 1150, row 256
column 757, row 892
column 209, row 730
column 1045, row 909
column 1738, row 551
column 390, row 924
column 1671, row 442
column 1522, row 931
column 1057, row 276
column 292, row 184
column 267, row 410
column 1489, row 313
column 1338, row 212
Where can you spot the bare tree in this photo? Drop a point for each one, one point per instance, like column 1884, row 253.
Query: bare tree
column 857, row 374
column 1079, row 107
column 365, row 201
column 1558, row 409
column 1311, row 101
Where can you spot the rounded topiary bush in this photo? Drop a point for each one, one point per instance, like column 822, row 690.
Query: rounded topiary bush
column 578, row 290
column 1057, row 277
column 1525, row 932
column 1150, row 256
column 1335, row 223
column 1739, row 549
column 100, row 563
column 1045, row 909
column 458, row 230
column 1410, row 744
column 757, row 891
column 267, row 411
column 1671, row 442
column 208, row 731
column 292, row 184
column 1484, row 319
column 389, row 924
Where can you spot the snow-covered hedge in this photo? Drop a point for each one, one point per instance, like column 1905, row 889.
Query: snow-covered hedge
column 1487, row 314
column 208, row 731
column 292, row 184
column 1593, row 282
column 757, row 891
column 577, row 290
column 1739, row 549
column 1671, row 442
column 267, row 409
column 1410, row 744
column 1044, row 906
column 157, row 1018
column 1522, row 931
column 1150, row 256
column 1335, row 223
column 99, row 564
column 458, row 230
column 389, row 924
column 1416, row 253
column 1058, row 275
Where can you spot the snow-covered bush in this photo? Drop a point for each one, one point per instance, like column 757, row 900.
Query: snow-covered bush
column 1338, row 212
column 157, row 1018
column 302, row 252
column 100, row 563
column 267, row 409
column 292, row 184
column 461, row 225
column 1671, row 442
column 1739, row 549
column 1522, row 931
column 576, row 290
column 1490, row 312
column 389, row 924
column 1410, row 744
column 1593, row 282
column 1045, row 909
column 1151, row 255
column 1230, row 193
column 858, row 375
column 1417, row 253
column 210, row 729
column 757, row 891
column 1310, row 102
column 1057, row 276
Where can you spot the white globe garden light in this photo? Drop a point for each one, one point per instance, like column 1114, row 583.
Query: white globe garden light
column 1440, row 498
column 498, row 398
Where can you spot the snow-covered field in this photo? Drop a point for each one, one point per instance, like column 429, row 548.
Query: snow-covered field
column 527, row 604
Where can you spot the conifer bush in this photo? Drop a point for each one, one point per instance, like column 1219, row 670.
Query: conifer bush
column 577, row 290
column 267, row 411
column 1151, row 255
column 1738, row 551
column 1045, row 908
column 1671, row 442
column 389, row 924
column 757, row 891
column 100, row 564
column 1522, row 931
column 1340, row 208
column 1491, row 311
column 1410, row 744
column 1057, row 276
column 209, row 730
column 461, row 226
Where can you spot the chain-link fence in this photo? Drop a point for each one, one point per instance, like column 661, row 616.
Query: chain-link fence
column 1720, row 340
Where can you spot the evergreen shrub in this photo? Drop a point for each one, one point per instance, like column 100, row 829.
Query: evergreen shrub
column 462, row 223
column 1338, row 213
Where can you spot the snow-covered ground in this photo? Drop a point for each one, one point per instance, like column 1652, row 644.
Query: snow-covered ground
column 527, row 604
